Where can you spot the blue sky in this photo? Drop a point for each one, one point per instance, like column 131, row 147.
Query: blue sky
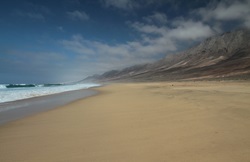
column 45, row 41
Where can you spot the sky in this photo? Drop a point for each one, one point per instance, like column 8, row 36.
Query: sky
column 60, row 41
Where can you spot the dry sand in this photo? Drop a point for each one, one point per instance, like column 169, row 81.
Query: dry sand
column 186, row 122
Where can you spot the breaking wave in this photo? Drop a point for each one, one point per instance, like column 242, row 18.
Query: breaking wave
column 13, row 92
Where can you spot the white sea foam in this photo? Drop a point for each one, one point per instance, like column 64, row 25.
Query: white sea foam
column 13, row 94
column 2, row 86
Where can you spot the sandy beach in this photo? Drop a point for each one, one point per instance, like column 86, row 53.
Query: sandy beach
column 11, row 111
column 172, row 122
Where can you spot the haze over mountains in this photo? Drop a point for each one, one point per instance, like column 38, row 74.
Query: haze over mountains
column 222, row 56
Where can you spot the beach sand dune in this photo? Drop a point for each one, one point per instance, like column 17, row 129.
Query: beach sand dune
column 174, row 122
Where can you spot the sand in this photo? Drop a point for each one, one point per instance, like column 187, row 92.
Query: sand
column 27, row 107
column 172, row 122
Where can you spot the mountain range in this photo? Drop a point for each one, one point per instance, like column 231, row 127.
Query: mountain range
column 225, row 56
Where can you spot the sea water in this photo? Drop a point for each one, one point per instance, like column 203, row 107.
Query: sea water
column 13, row 92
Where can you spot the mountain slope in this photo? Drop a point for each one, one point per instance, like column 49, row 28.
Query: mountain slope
column 226, row 55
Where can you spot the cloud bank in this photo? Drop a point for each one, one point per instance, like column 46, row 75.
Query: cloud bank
column 227, row 10
column 154, row 42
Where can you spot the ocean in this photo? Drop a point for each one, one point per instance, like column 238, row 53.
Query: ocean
column 14, row 92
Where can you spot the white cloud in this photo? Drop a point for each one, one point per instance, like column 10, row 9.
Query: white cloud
column 155, row 41
column 157, row 17
column 142, row 49
column 190, row 30
column 247, row 22
column 78, row 15
column 227, row 10
column 106, row 57
column 182, row 30
column 78, row 45
column 149, row 29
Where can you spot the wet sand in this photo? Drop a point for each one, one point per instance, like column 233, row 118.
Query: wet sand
column 176, row 122
column 10, row 111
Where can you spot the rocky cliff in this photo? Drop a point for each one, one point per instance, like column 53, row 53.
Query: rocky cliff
column 223, row 56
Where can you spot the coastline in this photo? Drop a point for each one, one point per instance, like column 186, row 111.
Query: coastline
column 15, row 110
column 173, row 121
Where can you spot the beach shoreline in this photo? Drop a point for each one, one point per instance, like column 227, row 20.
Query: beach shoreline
column 161, row 121
column 15, row 110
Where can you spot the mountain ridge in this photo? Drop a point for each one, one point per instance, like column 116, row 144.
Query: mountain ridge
column 221, row 56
